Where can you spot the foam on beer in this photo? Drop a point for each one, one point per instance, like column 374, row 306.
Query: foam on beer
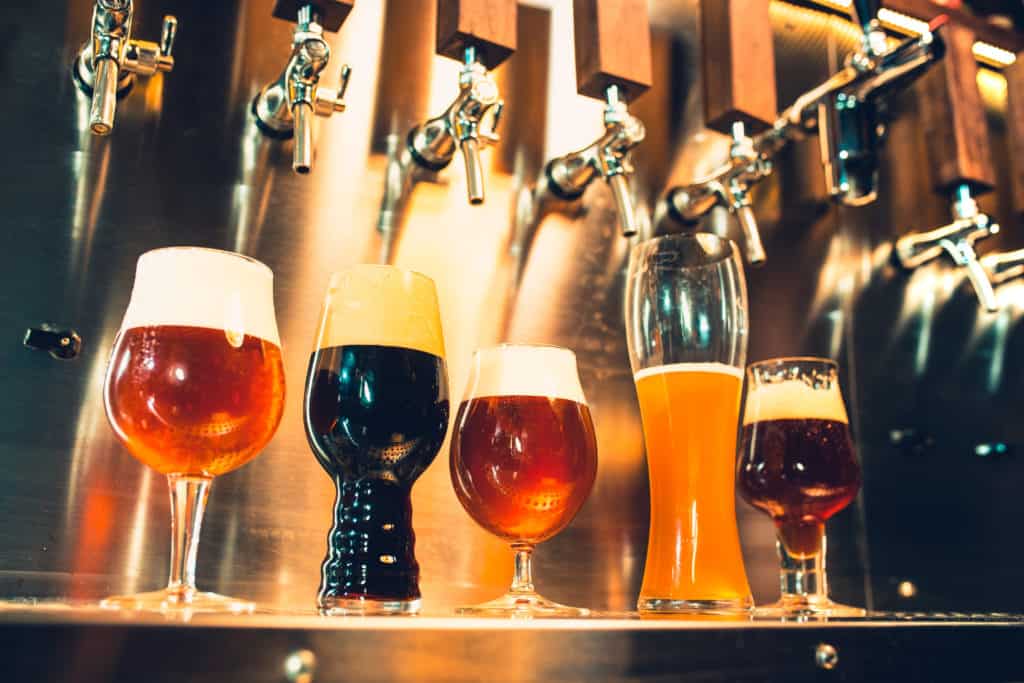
column 720, row 368
column 377, row 305
column 793, row 400
column 198, row 287
column 523, row 370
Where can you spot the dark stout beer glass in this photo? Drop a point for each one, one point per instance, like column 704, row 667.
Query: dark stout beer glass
column 194, row 389
column 797, row 463
column 376, row 413
column 523, row 459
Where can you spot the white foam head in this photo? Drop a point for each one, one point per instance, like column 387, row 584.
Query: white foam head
column 377, row 305
column 199, row 287
column 720, row 368
column 525, row 370
column 793, row 399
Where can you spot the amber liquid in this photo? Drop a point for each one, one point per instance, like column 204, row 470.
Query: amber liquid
column 801, row 472
column 693, row 550
column 193, row 400
column 523, row 466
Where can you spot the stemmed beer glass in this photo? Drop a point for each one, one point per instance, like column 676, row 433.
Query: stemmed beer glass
column 686, row 317
column 194, row 389
column 523, row 459
column 797, row 463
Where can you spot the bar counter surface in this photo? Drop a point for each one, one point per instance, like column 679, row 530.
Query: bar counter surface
column 61, row 643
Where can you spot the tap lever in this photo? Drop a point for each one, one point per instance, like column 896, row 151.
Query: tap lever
column 613, row 47
column 331, row 14
column 487, row 26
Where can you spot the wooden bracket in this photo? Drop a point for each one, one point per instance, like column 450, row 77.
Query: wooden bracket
column 487, row 25
column 954, row 117
column 613, row 47
column 332, row 12
column 737, row 64
column 1014, row 75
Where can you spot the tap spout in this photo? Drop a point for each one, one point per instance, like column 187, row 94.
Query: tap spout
column 302, row 156
column 104, row 96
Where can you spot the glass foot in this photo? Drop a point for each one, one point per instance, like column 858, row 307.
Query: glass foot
column 339, row 607
column 522, row 606
column 734, row 606
column 810, row 607
column 172, row 600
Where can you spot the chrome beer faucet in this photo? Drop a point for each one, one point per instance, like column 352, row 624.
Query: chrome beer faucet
column 845, row 111
column 727, row 186
column 432, row 144
column 608, row 157
column 106, row 66
column 957, row 240
column 285, row 108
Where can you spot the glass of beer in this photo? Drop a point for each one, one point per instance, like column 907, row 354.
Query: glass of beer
column 686, row 317
column 376, row 413
column 194, row 389
column 797, row 463
column 523, row 459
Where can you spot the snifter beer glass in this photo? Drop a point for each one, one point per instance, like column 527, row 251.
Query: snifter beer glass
column 523, row 459
column 686, row 317
column 376, row 413
column 797, row 463
column 194, row 389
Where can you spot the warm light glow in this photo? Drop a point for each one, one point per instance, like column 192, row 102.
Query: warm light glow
column 986, row 53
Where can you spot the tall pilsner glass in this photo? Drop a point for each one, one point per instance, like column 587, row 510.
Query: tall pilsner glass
column 194, row 389
column 686, row 313
column 376, row 413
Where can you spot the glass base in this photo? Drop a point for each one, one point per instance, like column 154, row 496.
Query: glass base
column 522, row 606
column 670, row 606
column 173, row 600
column 339, row 607
column 797, row 607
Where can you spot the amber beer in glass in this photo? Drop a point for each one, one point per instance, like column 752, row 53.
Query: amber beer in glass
column 687, row 333
column 194, row 389
column 523, row 459
column 376, row 414
column 797, row 463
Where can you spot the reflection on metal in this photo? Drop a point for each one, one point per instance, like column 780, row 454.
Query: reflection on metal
column 957, row 240
column 106, row 65
column 1003, row 266
column 285, row 108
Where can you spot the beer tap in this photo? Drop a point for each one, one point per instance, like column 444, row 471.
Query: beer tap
column 845, row 111
column 613, row 62
column 106, row 66
column 285, row 107
column 462, row 126
column 608, row 157
column 961, row 163
column 738, row 72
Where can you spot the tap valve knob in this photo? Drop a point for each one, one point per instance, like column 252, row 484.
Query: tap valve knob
column 327, row 104
column 167, row 36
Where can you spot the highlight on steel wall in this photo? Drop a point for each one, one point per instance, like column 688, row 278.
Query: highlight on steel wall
column 932, row 381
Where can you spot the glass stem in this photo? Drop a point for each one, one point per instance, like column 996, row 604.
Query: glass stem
column 803, row 576
column 188, row 502
column 522, row 579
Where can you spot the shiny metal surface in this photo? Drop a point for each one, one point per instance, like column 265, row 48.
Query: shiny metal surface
column 188, row 166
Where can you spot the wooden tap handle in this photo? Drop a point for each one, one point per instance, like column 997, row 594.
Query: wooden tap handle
column 487, row 25
column 954, row 117
column 1014, row 75
column 737, row 64
column 613, row 47
column 332, row 12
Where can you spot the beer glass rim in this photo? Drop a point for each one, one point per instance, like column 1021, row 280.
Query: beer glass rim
column 794, row 360
column 221, row 252
column 512, row 345
column 382, row 267
column 726, row 245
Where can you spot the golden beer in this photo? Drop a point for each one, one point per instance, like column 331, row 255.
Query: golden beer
column 690, row 413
